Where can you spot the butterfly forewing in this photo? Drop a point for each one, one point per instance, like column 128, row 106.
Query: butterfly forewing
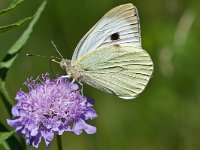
column 122, row 70
column 119, row 26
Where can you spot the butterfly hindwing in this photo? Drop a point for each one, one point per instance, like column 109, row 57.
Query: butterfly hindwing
column 122, row 70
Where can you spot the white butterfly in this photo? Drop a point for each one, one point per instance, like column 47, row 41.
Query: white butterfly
column 110, row 56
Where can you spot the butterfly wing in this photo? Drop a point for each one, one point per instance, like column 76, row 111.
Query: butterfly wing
column 118, row 26
column 122, row 70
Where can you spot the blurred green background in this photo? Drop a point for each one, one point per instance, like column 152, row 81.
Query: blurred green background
column 166, row 116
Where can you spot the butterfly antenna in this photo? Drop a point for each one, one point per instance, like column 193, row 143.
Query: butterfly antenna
column 30, row 55
column 58, row 52
column 51, row 60
column 57, row 49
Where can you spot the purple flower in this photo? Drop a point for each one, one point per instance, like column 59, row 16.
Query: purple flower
column 51, row 107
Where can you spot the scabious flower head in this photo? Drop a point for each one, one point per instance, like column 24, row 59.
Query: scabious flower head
column 51, row 107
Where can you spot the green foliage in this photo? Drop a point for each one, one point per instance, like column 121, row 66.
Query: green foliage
column 9, row 141
column 17, row 46
column 11, row 7
column 14, row 25
column 5, row 135
column 5, row 65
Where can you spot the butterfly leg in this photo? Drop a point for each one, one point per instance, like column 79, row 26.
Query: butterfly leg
column 74, row 80
column 81, row 88
column 66, row 76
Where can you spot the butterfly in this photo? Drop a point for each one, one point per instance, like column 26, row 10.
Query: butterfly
column 110, row 56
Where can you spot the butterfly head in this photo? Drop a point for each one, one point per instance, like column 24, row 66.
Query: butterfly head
column 65, row 64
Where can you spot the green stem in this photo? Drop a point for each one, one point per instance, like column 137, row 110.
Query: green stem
column 59, row 142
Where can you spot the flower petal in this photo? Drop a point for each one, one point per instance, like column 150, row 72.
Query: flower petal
column 48, row 137
column 80, row 125
column 37, row 140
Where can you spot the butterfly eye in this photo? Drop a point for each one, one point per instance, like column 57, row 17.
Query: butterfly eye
column 114, row 36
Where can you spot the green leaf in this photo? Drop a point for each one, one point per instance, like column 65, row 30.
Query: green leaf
column 5, row 96
column 6, row 146
column 5, row 135
column 12, row 6
column 17, row 46
column 12, row 54
column 14, row 25
column 5, row 140
column 12, row 142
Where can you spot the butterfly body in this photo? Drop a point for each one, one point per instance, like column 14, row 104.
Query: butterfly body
column 110, row 56
column 71, row 71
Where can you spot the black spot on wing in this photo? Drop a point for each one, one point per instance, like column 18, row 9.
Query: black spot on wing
column 114, row 36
